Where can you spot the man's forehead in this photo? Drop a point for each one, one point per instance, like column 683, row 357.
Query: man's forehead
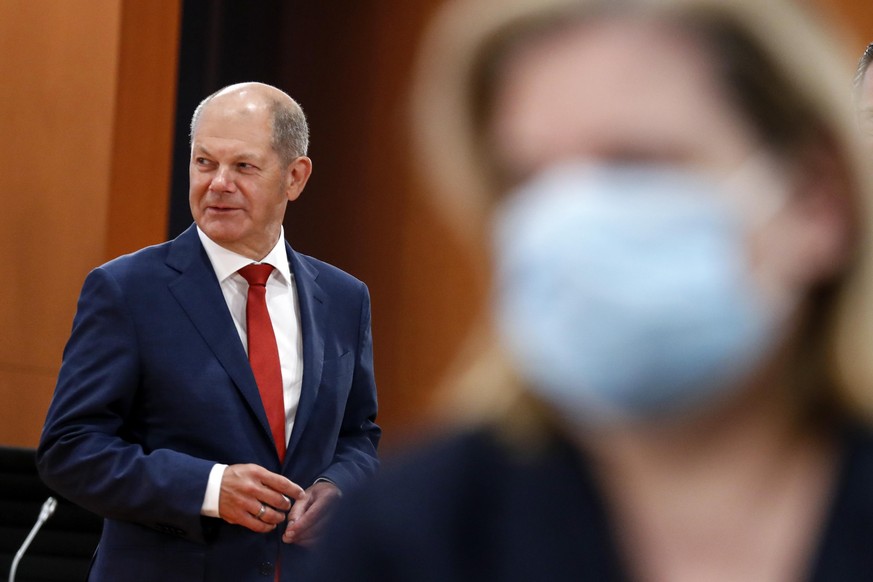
column 237, row 104
column 244, row 125
column 254, row 89
column 250, row 97
column 236, row 111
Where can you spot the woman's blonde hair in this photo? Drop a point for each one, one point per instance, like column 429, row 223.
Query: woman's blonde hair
column 786, row 74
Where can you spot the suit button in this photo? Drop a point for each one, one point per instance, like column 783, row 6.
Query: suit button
column 265, row 568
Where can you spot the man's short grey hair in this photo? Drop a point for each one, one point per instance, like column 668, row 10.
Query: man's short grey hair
column 290, row 130
column 863, row 65
column 290, row 137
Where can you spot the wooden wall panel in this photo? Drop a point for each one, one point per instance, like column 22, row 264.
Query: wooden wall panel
column 58, row 62
column 143, row 126
column 61, row 112
column 856, row 17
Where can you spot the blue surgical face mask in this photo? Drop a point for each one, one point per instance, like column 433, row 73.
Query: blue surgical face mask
column 624, row 292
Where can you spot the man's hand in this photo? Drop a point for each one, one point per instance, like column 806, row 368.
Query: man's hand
column 255, row 498
column 309, row 514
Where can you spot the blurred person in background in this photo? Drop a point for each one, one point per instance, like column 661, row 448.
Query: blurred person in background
column 675, row 381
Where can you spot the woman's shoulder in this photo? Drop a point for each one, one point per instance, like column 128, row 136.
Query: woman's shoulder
column 470, row 507
column 857, row 461
column 450, row 466
column 844, row 552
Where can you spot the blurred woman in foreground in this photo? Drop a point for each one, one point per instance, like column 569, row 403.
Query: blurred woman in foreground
column 682, row 303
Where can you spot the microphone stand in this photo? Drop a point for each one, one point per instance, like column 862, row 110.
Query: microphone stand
column 48, row 508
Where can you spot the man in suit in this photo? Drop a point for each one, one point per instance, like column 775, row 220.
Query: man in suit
column 207, row 466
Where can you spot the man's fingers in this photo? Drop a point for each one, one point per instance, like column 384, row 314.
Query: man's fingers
column 281, row 492
column 300, row 518
column 307, row 518
column 310, row 536
column 307, row 526
column 269, row 515
column 257, row 525
column 246, row 488
column 282, row 485
column 277, row 501
column 299, row 508
column 268, row 520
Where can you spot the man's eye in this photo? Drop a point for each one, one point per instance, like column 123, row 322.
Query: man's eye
column 201, row 161
column 245, row 166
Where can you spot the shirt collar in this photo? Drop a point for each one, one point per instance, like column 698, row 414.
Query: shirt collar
column 226, row 262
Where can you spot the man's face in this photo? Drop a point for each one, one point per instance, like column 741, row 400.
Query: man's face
column 239, row 187
column 865, row 108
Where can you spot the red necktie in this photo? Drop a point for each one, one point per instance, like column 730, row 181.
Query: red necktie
column 263, row 351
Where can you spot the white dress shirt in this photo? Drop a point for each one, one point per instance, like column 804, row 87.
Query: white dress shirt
column 284, row 309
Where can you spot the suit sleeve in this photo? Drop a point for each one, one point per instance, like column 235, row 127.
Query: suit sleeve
column 88, row 451
column 355, row 458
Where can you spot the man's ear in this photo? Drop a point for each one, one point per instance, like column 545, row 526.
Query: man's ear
column 296, row 175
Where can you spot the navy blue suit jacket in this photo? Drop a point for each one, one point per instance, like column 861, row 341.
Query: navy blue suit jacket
column 155, row 388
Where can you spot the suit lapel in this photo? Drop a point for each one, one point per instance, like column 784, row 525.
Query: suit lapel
column 312, row 311
column 199, row 293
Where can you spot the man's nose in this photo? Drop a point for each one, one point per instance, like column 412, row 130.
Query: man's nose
column 223, row 180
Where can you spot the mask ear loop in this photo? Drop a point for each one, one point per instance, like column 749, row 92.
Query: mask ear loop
column 755, row 190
